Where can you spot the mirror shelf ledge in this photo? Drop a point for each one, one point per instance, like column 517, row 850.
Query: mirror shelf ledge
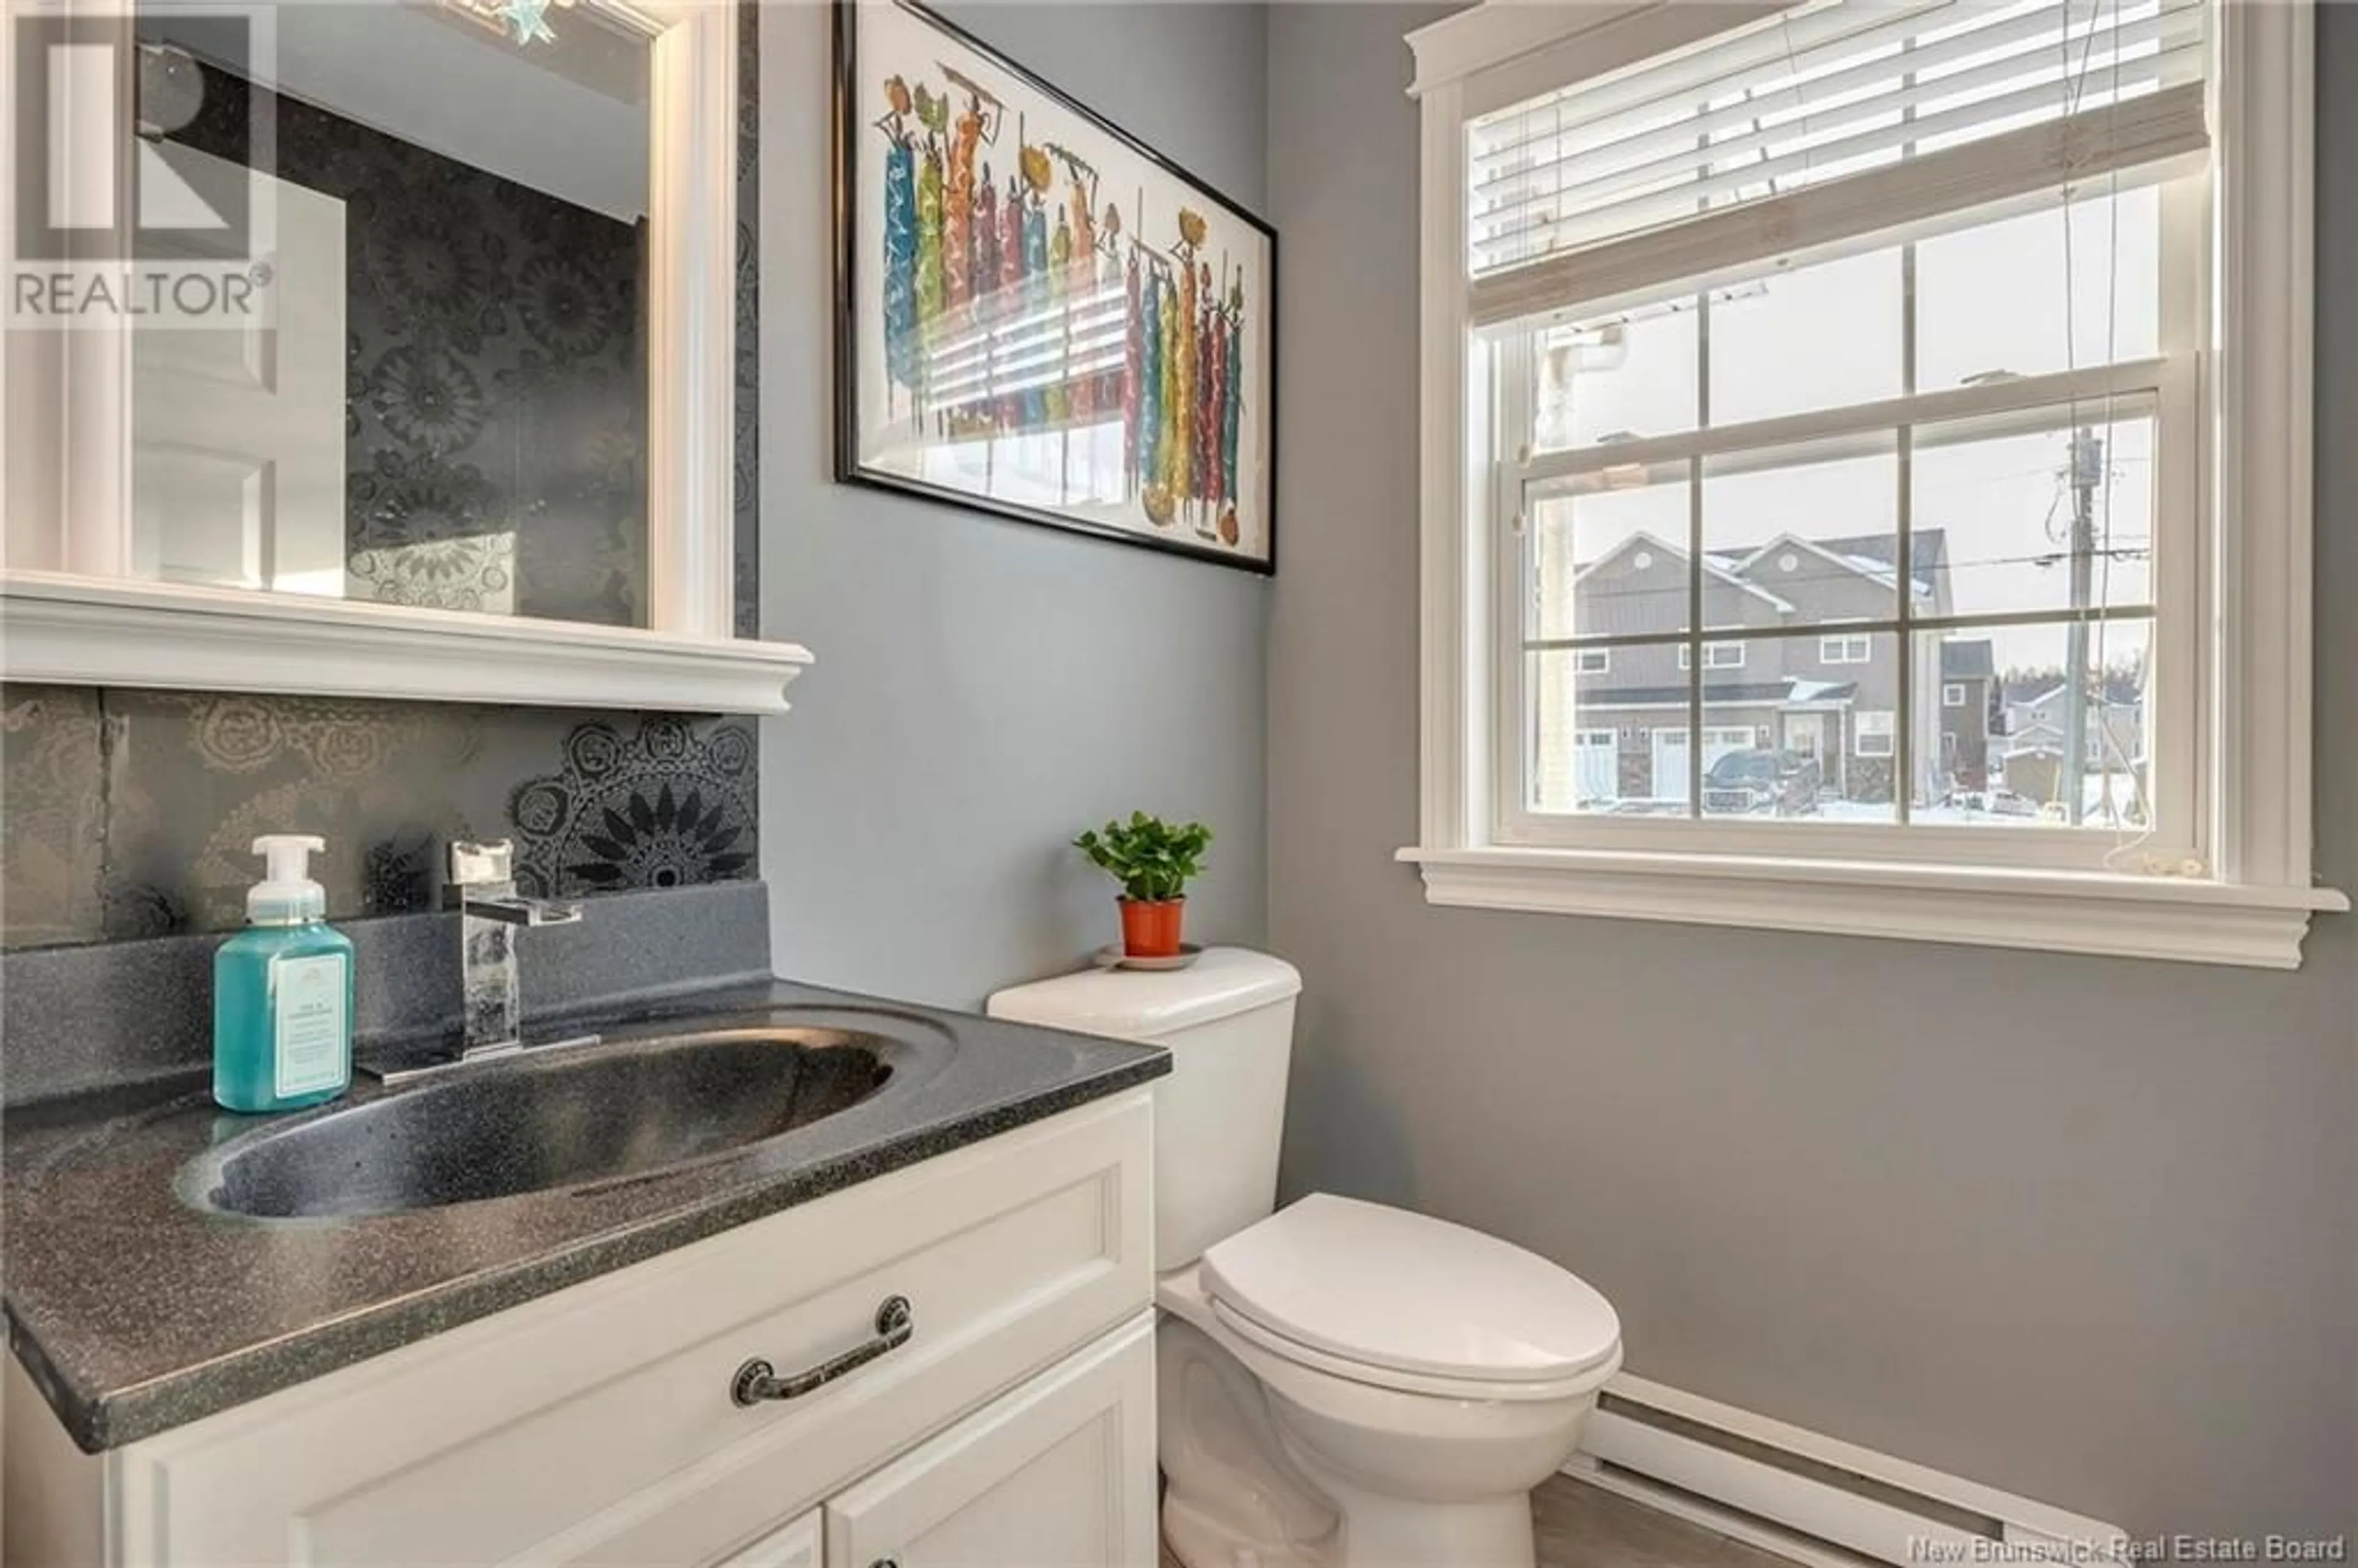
column 67, row 629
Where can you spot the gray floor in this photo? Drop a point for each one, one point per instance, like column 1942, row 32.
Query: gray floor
column 1581, row 1527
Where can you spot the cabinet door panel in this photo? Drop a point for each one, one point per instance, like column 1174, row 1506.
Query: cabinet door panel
column 1059, row 1473
column 794, row 1546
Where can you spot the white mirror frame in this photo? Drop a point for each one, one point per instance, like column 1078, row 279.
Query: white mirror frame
column 71, row 613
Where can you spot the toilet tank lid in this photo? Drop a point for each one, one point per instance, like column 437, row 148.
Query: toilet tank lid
column 1132, row 1004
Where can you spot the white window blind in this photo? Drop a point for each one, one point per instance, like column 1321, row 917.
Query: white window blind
column 1829, row 122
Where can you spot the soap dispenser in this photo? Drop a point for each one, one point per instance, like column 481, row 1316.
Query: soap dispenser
column 282, row 991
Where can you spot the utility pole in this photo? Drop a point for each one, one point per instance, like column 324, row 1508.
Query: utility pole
column 2087, row 473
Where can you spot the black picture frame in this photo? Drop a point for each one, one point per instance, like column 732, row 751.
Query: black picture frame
column 849, row 469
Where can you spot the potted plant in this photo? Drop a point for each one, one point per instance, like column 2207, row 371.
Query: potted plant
column 1153, row 861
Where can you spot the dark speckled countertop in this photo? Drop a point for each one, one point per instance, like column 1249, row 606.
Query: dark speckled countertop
column 136, row 1313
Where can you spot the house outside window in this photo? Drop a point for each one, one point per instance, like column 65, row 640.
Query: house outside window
column 1886, row 336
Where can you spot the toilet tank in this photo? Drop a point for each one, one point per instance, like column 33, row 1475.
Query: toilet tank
column 1228, row 1022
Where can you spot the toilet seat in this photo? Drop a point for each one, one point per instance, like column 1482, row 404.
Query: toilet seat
column 1405, row 1302
column 1392, row 1380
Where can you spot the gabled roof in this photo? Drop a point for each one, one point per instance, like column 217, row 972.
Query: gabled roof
column 1711, row 569
column 1928, row 551
column 1870, row 555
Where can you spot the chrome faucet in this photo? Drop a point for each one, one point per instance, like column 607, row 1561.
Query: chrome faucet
column 482, row 885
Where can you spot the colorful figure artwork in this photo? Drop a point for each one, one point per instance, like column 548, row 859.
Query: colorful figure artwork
column 1044, row 318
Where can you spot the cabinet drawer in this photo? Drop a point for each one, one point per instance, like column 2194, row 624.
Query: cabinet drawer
column 1059, row 1473
column 597, row 1425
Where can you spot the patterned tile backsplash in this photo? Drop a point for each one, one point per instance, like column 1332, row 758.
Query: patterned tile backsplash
column 130, row 814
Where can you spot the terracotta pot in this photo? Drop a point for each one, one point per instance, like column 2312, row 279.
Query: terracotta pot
column 1150, row 929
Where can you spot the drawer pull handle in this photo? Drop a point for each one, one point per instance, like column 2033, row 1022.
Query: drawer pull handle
column 757, row 1380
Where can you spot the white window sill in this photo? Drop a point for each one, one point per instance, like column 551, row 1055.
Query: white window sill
column 2184, row 919
column 94, row 632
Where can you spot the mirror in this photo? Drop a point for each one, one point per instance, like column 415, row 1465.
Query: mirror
column 443, row 400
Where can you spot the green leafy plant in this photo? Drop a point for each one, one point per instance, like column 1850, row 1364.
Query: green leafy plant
column 1152, row 859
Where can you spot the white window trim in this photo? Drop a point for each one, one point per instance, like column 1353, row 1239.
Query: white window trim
column 1953, row 694
column 1686, row 656
column 2249, row 903
column 1885, row 730
column 1836, row 650
column 1592, row 661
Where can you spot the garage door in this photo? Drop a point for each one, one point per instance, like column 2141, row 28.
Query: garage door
column 1595, row 767
column 1671, row 779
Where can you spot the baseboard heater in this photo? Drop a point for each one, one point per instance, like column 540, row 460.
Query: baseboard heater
column 1811, row 1498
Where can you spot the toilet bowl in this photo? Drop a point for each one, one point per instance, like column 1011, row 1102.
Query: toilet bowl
column 1405, row 1384
column 1339, row 1384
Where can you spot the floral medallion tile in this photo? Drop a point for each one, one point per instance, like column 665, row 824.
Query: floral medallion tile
column 662, row 803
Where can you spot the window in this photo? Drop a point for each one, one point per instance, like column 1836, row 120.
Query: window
column 1715, row 656
column 1872, row 734
column 1885, row 334
column 1592, row 661
column 1845, row 650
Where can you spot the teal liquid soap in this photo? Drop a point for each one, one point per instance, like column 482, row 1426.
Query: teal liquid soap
column 283, row 993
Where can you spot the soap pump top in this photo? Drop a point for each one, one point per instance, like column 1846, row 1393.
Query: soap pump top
column 287, row 895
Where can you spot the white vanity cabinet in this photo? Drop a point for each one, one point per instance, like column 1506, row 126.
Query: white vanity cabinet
column 1013, row 1425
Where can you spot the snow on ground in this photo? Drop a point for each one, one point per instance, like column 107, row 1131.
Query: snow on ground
column 1966, row 811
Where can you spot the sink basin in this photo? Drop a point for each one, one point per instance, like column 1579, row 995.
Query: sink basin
column 573, row 1117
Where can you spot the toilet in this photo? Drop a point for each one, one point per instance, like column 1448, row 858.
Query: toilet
column 1338, row 1384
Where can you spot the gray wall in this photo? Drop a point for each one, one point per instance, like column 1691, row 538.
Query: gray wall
column 986, row 688
column 2109, row 1260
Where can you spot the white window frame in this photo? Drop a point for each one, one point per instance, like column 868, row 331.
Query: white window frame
column 1715, row 656
column 1953, row 694
column 2238, row 891
column 1839, row 649
column 72, row 611
column 1874, row 724
column 1592, row 661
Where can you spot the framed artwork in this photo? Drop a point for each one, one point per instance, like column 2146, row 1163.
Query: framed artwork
column 1035, row 313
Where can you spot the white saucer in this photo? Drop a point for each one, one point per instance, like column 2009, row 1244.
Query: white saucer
column 1111, row 957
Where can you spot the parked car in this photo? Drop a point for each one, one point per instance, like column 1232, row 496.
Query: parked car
column 1759, row 779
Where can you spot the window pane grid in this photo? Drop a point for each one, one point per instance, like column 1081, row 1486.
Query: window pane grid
column 1853, row 506
column 1863, row 758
